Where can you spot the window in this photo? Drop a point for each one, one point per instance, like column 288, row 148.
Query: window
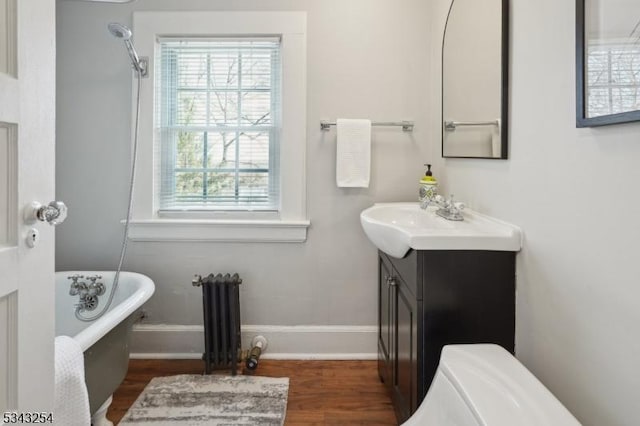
column 219, row 118
column 222, row 127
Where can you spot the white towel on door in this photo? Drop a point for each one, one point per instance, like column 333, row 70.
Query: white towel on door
column 71, row 407
column 353, row 157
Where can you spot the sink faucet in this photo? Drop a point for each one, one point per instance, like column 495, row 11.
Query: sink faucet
column 449, row 209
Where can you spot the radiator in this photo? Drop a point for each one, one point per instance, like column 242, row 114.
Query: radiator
column 221, row 312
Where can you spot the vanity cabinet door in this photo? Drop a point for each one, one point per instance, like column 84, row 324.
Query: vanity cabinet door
column 385, row 320
column 406, row 351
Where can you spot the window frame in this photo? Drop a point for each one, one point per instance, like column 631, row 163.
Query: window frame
column 289, row 223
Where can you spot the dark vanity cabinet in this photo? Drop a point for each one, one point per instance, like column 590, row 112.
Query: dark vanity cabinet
column 433, row 298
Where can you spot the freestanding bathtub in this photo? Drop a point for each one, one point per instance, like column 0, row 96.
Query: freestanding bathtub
column 105, row 341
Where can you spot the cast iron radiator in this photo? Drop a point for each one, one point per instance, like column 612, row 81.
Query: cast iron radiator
column 221, row 310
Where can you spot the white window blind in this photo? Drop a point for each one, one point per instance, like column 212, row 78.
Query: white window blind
column 218, row 122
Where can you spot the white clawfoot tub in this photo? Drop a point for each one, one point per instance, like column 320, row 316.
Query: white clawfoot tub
column 105, row 341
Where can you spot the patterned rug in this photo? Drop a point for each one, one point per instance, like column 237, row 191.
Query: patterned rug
column 210, row 400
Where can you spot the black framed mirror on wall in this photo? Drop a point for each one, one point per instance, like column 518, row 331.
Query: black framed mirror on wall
column 607, row 62
column 475, row 80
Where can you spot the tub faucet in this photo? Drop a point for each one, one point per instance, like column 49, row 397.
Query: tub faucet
column 96, row 288
column 75, row 285
column 449, row 209
column 88, row 292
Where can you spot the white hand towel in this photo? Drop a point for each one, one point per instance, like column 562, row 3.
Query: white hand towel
column 71, row 406
column 353, row 157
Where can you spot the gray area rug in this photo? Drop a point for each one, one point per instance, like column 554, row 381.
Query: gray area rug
column 210, row 400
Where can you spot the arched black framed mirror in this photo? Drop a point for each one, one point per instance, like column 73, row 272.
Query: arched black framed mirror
column 475, row 76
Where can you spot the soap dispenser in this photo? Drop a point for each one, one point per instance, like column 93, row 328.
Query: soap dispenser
column 428, row 188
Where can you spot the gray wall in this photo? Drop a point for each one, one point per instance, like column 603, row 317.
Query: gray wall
column 574, row 193
column 366, row 58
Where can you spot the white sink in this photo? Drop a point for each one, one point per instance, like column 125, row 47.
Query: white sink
column 395, row 228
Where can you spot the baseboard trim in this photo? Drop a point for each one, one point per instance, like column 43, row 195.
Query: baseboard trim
column 162, row 341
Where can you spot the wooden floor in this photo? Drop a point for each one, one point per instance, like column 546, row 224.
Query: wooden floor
column 320, row 392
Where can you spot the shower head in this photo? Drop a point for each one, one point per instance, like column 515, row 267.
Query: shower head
column 124, row 33
column 119, row 31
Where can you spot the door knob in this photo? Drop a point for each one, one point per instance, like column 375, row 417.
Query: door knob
column 53, row 213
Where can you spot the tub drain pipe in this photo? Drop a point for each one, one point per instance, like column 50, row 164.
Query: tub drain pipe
column 258, row 344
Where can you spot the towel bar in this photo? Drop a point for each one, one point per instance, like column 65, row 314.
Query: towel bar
column 407, row 126
column 451, row 126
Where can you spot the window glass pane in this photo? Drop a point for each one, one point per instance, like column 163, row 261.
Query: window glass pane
column 189, row 185
column 189, row 150
column 191, row 109
column 256, row 70
column 223, row 108
column 256, row 108
column 221, row 187
column 221, row 151
column 254, row 150
column 254, row 186
column 224, row 70
column 192, row 71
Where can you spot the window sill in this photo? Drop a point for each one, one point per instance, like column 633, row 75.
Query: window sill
column 245, row 231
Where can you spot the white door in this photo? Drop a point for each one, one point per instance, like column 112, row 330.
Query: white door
column 27, row 156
